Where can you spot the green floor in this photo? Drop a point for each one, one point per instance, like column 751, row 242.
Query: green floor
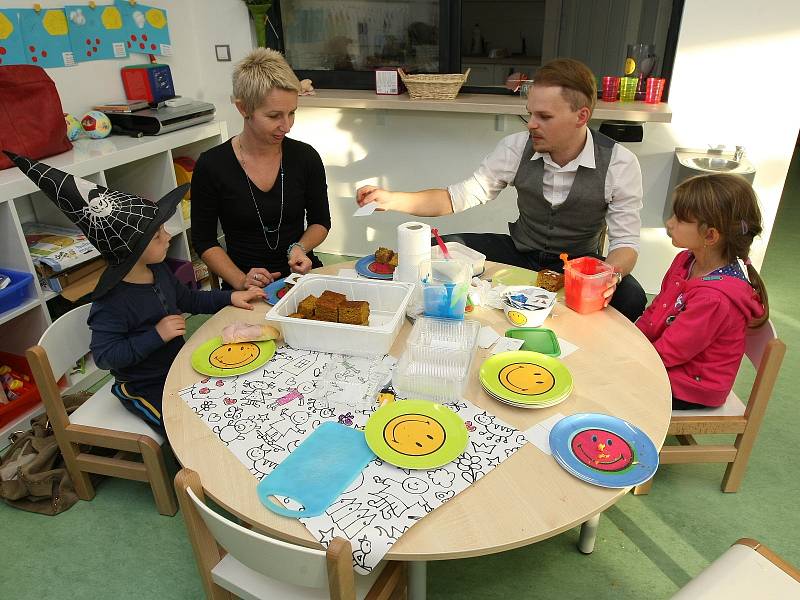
column 117, row 546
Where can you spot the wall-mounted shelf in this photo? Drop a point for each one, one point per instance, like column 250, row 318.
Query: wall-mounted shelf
column 138, row 165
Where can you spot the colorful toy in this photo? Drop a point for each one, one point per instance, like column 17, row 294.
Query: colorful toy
column 184, row 167
column 93, row 124
column 13, row 383
column 96, row 125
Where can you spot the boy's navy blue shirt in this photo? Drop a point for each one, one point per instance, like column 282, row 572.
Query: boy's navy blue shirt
column 123, row 324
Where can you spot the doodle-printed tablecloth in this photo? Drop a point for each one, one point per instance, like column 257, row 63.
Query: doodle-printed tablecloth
column 264, row 415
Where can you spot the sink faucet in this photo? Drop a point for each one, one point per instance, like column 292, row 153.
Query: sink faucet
column 737, row 156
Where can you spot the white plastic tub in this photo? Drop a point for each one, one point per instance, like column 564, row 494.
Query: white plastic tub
column 387, row 309
column 462, row 252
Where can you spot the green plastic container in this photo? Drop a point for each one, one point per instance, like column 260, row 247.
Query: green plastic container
column 537, row 339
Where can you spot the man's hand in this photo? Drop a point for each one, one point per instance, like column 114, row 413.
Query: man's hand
column 243, row 298
column 298, row 261
column 258, row 277
column 370, row 193
column 609, row 291
column 170, row 327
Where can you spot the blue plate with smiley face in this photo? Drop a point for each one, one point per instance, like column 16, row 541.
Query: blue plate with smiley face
column 416, row 434
column 603, row 450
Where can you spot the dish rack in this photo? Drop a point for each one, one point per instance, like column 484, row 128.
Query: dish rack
column 433, row 86
column 437, row 360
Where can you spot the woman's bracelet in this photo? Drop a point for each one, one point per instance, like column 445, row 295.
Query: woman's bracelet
column 292, row 245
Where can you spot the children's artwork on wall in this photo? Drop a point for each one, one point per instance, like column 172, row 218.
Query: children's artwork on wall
column 45, row 38
column 11, row 44
column 146, row 29
column 262, row 416
column 95, row 33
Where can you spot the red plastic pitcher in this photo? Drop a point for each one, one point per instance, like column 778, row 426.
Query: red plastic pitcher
column 585, row 280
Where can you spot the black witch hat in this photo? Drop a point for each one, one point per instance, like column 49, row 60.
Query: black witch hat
column 118, row 224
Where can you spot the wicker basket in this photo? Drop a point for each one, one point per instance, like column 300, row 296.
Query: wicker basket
column 433, row 86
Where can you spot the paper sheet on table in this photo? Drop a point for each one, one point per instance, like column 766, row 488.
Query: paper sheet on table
column 505, row 344
column 539, row 434
column 349, row 273
column 262, row 416
column 366, row 210
column 567, row 348
column 487, row 336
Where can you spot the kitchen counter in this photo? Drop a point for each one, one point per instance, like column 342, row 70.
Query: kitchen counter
column 478, row 103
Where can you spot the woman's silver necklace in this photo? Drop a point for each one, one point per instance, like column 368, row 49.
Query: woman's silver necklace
column 264, row 228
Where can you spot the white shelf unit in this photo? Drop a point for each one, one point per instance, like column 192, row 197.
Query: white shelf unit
column 141, row 166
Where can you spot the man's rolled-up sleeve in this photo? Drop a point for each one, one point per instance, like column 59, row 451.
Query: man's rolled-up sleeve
column 624, row 187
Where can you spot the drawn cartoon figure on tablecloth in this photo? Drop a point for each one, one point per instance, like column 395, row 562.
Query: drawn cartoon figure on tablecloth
column 393, row 533
column 360, row 555
column 456, row 406
column 233, row 413
column 470, row 426
column 494, row 432
column 261, row 463
column 346, row 419
column 445, row 495
column 396, row 498
column 275, row 427
column 477, row 447
column 214, row 389
column 470, row 467
column 441, row 477
column 235, row 430
column 257, row 392
column 298, row 393
column 350, row 516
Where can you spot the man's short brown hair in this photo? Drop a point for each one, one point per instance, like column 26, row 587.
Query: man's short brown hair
column 577, row 82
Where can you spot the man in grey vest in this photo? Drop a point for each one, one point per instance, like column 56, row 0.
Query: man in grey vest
column 572, row 183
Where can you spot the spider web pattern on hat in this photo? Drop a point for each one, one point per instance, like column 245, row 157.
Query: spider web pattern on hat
column 113, row 221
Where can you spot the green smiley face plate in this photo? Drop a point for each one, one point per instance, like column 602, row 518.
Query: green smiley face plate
column 416, row 434
column 525, row 377
column 223, row 360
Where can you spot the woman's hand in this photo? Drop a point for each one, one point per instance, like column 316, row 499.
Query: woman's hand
column 258, row 277
column 370, row 193
column 298, row 261
column 243, row 298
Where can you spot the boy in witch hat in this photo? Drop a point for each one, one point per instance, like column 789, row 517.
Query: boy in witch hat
column 136, row 316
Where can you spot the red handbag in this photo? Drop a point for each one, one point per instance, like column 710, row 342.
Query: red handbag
column 31, row 118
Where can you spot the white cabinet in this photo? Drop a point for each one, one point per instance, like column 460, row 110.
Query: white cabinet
column 141, row 166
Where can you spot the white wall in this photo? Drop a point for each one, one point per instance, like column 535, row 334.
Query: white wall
column 733, row 83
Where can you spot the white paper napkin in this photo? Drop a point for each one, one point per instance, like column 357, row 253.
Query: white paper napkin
column 539, row 434
column 487, row 336
column 567, row 348
column 366, row 210
column 505, row 344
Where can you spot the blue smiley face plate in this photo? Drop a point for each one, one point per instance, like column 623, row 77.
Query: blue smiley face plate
column 603, row 450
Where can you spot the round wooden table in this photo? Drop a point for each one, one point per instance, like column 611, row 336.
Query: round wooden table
column 527, row 498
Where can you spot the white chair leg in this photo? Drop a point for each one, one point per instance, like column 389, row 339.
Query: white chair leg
column 588, row 535
column 417, row 580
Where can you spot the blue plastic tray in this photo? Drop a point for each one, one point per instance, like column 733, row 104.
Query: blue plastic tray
column 15, row 293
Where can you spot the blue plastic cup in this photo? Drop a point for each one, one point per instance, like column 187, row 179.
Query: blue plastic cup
column 445, row 283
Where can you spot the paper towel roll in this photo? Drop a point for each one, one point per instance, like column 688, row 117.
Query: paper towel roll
column 413, row 246
column 413, row 239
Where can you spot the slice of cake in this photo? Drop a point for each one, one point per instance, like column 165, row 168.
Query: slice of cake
column 326, row 309
column 307, row 305
column 549, row 280
column 297, row 315
column 333, row 296
column 383, row 255
column 354, row 312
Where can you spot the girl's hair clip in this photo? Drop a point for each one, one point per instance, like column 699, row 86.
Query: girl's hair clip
column 745, row 229
column 748, row 262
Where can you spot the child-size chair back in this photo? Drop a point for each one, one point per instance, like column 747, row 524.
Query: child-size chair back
column 757, row 340
column 273, row 558
column 66, row 340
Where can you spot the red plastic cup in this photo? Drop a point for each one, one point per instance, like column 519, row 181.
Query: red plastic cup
column 654, row 90
column 610, row 87
column 585, row 280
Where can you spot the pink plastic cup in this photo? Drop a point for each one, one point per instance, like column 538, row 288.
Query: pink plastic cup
column 610, row 89
column 654, row 90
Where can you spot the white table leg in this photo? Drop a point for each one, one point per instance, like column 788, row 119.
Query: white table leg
column 417, row 580
column 588, row 534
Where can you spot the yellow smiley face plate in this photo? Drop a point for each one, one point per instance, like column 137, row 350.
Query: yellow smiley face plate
column 525, row 377
column 223, row 360
column 416, row 434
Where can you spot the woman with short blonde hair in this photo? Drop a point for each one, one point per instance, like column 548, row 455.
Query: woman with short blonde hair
column 268, row 191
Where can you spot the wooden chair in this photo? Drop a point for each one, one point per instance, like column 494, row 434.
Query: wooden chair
column 258, row 567
column 101, row 421
column 748, row 569
column 766, row 352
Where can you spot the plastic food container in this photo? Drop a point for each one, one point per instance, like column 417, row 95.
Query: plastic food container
column 28, row 399
column 444, row 284
column 541, row 340
column 527, row 317
column 465, row 253
column 585, row 280
column 15, row 293
column 437, row 360
column 387, row 306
